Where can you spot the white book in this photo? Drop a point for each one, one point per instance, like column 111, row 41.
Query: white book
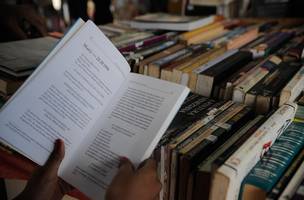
column 170, row 22
column 294, row 87
column 253, row 77
column 84, row 93
column 227, row 179
column 293, row 184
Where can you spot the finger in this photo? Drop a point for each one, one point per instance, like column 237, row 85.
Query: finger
column 149, row 170
column 143, row 163
column 53, row 162
column 125, row 165
column 150, row 164
column 125, row 172
column 64, row 186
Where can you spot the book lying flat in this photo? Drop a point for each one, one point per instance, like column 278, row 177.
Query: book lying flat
column 170, row 22
column 84, row 93
column 20, row 58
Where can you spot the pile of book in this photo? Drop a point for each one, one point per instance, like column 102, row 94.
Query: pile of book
column 18, row 60
column 242, row 76
column 222, row 150
column 239, row 134
column 254, row 63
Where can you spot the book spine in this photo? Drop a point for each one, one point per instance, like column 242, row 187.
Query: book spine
column 286, row 177
column 281, row 39
column 293, row 184
column 266, row 134
column 242, row 161
column 215, row 61
column 242, row 39
column 143, row 65
column 299, row 194
column 225, row 155
column 200, row 135
column 227, row 129
column 171, row 57
column 207, row 79
column 270, row 168
column 276, row 83
column 295, row 53
column 155, row 49
column 213, row 115
column 147, row 42
column 293, row 89
column 203, row 172
column 256, row 75
column 190, row 34
column 194, row 108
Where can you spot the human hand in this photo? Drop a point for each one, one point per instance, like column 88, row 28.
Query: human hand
column 45, row 183
column 130, row 184
column 21, row 22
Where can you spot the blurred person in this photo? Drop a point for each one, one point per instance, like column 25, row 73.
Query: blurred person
column 102, row 14
column 20, row 21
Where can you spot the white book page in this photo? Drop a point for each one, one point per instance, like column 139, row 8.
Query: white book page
column 67, row 96
column 131, row 127
column 74, row 29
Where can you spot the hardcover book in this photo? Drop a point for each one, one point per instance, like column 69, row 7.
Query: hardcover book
column 170, row 22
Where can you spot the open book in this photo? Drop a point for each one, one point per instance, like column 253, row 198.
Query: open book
column 84, row 93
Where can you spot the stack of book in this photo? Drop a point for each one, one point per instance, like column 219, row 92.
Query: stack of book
column 222, row 150
column 239, row 133
column 19, row 59
column 247, row 62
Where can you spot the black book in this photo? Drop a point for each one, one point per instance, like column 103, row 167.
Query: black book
column 227, row 67
column 271, row 89
column 194, row 108
column 191, row 156
column 202, row 177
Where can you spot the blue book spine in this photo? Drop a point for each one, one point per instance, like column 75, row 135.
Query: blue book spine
column 270, row 168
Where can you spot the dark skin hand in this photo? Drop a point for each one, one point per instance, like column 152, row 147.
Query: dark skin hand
column 131, row 184
column 128, row 184
column 45, row 181
column 20, row 22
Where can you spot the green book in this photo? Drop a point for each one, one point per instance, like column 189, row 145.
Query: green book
column 270, row 168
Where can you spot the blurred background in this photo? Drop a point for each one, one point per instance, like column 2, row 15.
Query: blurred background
column 60, row 14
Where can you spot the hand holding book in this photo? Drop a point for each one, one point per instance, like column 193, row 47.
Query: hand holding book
column 86, row 95
column 127, row 184
column 46, row 179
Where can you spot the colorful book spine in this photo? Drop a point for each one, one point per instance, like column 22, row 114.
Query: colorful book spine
column 279, row 187
column 146, row 42
column 293, row 184
column 270, row 168
column 203, row 173
column 228, row 178
column 299, row 194
column 293, row 89
column 254, row 76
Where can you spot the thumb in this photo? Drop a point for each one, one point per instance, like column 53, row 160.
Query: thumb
column 126, row 170
column 54, row 161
